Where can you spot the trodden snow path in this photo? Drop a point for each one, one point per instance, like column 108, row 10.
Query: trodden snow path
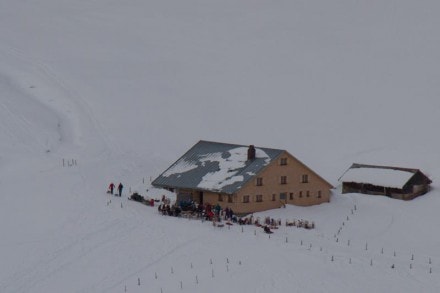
column 72, row 118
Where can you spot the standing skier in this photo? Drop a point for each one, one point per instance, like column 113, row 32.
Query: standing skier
column 120, row 186
column 111, row 187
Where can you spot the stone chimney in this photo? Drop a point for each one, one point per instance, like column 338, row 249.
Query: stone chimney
column 251, row 153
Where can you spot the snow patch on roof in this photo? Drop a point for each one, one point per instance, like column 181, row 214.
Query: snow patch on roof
column 259, row 153
column 228, row 168
column 378, row 177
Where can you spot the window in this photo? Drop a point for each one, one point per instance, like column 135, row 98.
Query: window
column 283, row 179
column 291, row 196
column 308, row 193
column 274, row 197
column 300, row 194
column 283, row 196
column 283, row 161
column 305, row 178
column 229, row 198
column 319, row 194
column 246, row 198
column 259, row 198
column 259, row 181
column 220, row 197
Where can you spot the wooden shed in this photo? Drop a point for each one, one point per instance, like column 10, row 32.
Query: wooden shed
column 394, row 182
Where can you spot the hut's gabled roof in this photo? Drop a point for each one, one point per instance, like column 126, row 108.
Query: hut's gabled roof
column 217, row 167
column 386, row 176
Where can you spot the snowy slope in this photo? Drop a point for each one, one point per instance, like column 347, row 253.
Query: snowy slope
column 117, row 91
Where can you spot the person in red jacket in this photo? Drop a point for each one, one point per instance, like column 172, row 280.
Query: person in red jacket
column 111, row 187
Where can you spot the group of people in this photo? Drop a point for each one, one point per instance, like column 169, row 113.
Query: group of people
column 207, row 211
column 192, row 209
column 111, row 187
column 169, row 210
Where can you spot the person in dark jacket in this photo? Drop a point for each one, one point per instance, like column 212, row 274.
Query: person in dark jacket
column 120, row 187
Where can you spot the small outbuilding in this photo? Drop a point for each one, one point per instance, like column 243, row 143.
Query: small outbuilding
column 394, row 182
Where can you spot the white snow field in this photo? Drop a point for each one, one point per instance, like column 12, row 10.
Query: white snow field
column 95, row 91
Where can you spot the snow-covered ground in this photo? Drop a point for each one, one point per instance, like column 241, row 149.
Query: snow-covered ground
column 95, row 91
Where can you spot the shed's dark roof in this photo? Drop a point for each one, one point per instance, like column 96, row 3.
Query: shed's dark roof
column 214, row 166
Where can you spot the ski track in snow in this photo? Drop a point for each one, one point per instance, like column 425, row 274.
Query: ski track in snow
column 136, row 272
column 69, row 105
column 64, row 257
